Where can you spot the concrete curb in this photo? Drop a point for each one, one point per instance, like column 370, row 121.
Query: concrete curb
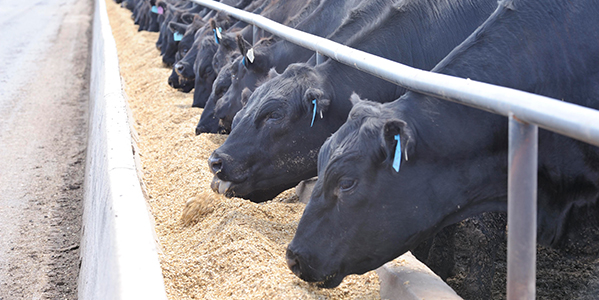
column 406, row 278
column 119, row 255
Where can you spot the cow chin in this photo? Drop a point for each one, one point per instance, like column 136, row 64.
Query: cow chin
column 243, row 190
column 331, row 281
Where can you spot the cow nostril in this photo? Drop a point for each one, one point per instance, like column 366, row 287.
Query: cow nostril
column 215, row 163
column 179, row 67
column 202, row 129
column 293, row 263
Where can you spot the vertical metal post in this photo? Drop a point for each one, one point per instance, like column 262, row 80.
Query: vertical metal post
column 255, row 37
column 319, row 58
column 522, row 209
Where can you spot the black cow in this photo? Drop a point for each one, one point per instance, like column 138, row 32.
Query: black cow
column 275, row 139
column 145, row 17
column 396, row 173
column 279, row 11
column 230, row 103
column 209, row 123
column 227, row 45
column 281, row 53
column 204, row 75
column 172, row 13
column 181, row 36
column 196, row 65
column 178, row 78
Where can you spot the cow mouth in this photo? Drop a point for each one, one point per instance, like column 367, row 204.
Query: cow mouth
column 222, row 187
column 331, row 281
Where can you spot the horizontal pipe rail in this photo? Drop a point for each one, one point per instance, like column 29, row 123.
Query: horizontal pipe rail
column 564, row 118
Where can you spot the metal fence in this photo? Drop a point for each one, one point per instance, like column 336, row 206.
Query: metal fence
column 526, row 112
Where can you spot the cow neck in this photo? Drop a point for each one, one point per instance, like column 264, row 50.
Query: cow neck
column 345, row 80
column 284, row 53
column 446, row 150
column 488, row 55
column 495, row 53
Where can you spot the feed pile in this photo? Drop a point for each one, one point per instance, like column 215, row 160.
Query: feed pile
column 211, row 247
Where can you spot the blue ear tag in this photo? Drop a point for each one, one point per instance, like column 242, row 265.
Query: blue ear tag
column 154, row 9
column 177, row 36
column 314, row 112
column 243, row 61
column 397, row 157
column 215, row 37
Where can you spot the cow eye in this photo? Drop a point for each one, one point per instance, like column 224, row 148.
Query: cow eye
column 347, row 185
column 275, row 116
column 220, row 91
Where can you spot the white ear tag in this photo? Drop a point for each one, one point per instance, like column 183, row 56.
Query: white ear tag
column 250, row 55
column 218, row 33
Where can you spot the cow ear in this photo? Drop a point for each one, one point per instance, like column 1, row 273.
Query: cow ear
column 246, row 50
column 354, row 99
column 245, row 96
column 241, row 44
column 272, row 73
column 399, row 142
column 216, row 31
column 162, row 4
column 317, row 102
column 177, row 27
column 187, row 18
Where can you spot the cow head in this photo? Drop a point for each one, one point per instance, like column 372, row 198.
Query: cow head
column 227, row 45
column 245, row 74
column 382, row 189
column 204, row 73
column 183, row 77
column 351, row 225
column 187, row 39
column 275, row 138
column 209, row 123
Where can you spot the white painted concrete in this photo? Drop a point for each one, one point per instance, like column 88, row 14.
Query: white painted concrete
column 119, row 255
column 406, row 278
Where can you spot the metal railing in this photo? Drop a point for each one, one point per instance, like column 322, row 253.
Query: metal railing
column 526, row 112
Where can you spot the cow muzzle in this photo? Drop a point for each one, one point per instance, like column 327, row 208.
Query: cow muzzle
column 298, row 268
column 293, row 263
column 220, row 186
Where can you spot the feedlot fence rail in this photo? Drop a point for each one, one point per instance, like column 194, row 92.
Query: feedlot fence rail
column 526, row 112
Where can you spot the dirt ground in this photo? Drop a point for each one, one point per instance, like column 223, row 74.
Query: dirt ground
column 568, row 271
column 44, row 77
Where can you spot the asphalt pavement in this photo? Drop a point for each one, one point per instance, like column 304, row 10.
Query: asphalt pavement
column 44, row 66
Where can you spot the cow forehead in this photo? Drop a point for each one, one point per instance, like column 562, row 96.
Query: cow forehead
column 284, row 89
column 358, row 137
